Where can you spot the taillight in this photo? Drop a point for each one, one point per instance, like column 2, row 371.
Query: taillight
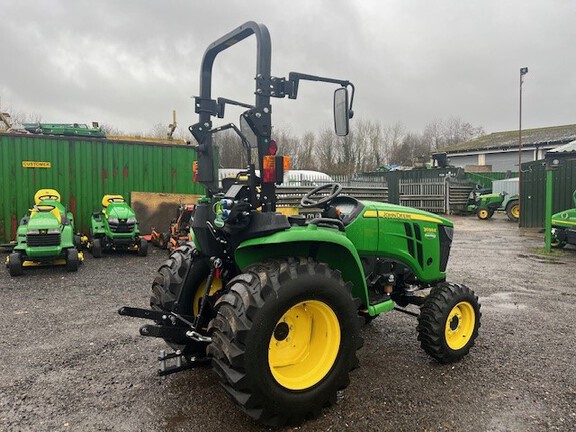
column 269, row 169
column 274, row 168
column 195, row 171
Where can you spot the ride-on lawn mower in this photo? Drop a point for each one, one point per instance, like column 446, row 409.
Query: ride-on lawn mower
column 179, row 231
column 276, row 302
column 564, row 227
column 115, row 228
column 45, row 236
column 486, row 204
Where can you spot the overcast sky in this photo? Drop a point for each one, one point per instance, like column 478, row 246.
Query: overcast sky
column 129, row 63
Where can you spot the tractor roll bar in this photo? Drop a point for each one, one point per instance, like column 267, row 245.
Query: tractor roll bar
column 206, row 107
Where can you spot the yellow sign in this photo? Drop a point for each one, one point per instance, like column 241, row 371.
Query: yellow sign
column 34, row 164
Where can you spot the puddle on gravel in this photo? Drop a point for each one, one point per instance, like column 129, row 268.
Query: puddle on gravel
column 502, row 301
column 542, row 259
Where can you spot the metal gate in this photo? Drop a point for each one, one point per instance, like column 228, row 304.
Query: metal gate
column 436, row 195
column 426, row 194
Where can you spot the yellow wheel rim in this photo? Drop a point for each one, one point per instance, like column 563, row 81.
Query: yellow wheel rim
column 214, row 288
column 515, row 211
column 304, row 345
column 460, row 325
column 483, row 214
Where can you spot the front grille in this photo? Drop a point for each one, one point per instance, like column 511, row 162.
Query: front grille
column 121, row 227
column 43, row 239
column 446, row 234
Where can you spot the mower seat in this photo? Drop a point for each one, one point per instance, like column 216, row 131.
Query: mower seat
column 107, row 199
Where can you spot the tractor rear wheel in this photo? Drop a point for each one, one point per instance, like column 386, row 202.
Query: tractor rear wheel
column 285, row 339
column 97, row 248
column 448, row 322
column 72, row 261
column 513, row 210
column 15, row 264
column 175, row 289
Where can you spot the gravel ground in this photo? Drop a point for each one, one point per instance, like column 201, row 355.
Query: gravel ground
column 71, row 363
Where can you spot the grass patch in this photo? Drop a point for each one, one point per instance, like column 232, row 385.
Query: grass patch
column 553, row 252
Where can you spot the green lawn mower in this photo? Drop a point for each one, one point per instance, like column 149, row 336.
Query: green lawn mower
column 484, row 205
column 45, row 236
column 115, row 228
column 564, row 227
column 275, row 303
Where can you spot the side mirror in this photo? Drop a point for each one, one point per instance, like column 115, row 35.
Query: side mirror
column 248, row 132
column 341, row 111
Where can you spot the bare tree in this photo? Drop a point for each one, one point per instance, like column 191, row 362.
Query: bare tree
column 110, row 129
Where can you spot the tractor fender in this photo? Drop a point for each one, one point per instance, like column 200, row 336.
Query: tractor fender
column 325, row 245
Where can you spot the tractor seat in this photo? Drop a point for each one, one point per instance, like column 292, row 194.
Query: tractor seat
column 297, row 220
column 111, row 198
column 47, row 209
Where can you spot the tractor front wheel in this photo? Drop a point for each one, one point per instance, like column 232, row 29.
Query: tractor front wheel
column 285, row 339
column 97, row 248
column 555, row 242
column 142, row 247
column 15, row 264
column 448, row 322
column 484, row 213
column 513, row 210
column 72, row 260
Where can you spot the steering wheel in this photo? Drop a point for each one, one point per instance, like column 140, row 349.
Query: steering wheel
column 311, row 200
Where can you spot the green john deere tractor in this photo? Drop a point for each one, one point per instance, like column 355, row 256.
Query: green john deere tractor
column 484, row 205
column 274, row 302
column 564, row 227
column 115, row 227
column 45, row 236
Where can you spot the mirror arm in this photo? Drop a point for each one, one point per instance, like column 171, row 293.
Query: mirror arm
column 295, row 77
column 222, row 101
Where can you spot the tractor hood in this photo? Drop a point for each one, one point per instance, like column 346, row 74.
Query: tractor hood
column 120, row 211
column 402, row 213
column 565, row 219
column 43, row 221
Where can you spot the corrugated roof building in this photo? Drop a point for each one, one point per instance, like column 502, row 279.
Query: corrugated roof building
column 500, row 150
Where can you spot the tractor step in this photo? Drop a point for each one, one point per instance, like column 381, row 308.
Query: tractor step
column 177, row 362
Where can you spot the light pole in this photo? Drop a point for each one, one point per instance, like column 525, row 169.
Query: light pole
column 523, row 71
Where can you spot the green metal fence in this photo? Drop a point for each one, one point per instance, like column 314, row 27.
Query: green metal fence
column 533, row 188
column 83, row 170
column 486, row 179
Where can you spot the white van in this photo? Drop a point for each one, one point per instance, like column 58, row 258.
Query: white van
column 292, row 178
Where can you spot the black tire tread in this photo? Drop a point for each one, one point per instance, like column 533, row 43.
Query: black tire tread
column 432, row 321
column 237, row 310
column 509, row 210
column 169, row 278
column 15, row 264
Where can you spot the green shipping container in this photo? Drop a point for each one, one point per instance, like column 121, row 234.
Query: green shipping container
column 83, row 170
